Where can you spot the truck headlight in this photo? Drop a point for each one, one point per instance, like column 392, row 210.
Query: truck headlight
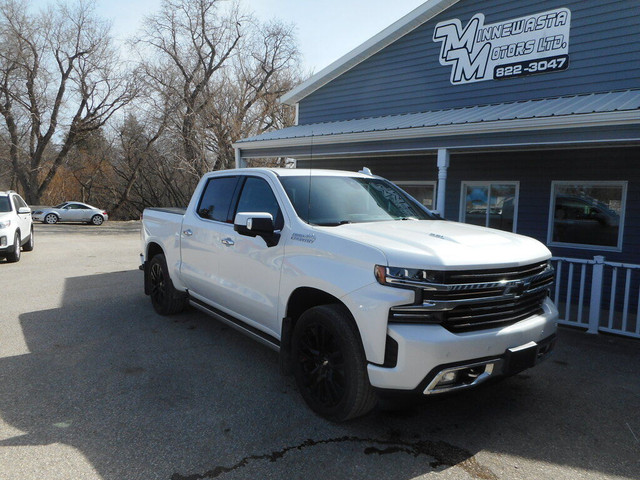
column 5, row 224
column 409, row 277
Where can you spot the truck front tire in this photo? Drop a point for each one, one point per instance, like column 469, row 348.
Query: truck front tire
column 329, row 364
column 166, row 300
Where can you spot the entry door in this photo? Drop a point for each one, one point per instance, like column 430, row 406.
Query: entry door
column 73, row 213
column 201, row 236
column 23, row 218
column 251, row 269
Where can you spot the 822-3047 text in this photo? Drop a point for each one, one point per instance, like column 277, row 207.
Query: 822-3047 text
column 531, row 67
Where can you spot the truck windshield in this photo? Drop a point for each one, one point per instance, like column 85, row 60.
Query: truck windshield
column 334, row 200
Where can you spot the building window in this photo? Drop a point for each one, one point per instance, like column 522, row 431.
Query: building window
column 490, row 204
column 423, row 192
column 587, row 214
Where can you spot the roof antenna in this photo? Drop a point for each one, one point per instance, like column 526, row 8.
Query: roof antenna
column 366, row 171
column 310, row 167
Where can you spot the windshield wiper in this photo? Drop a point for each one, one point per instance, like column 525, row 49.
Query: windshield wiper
column 333, row 224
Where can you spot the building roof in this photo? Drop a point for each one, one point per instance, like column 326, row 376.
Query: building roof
column 406, row 24
column 586, row 110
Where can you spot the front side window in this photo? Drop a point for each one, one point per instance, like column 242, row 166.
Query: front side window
column 20, row 203
column 587, row 214
column 257, row 196
column 336, row 200
column 216, row 198
column 490, row 204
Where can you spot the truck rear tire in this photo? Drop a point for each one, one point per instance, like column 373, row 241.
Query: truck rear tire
column 329, row 364
column 166, row 300
column 14, row 255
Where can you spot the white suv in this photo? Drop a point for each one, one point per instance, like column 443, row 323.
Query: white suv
column 16, row 226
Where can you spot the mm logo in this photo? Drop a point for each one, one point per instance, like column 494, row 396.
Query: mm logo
column 537, row 43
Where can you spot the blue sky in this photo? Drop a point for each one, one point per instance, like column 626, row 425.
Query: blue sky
column 326, row 29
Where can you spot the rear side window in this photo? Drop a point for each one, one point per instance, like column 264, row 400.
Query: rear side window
column 257, row 196
column 216, row 198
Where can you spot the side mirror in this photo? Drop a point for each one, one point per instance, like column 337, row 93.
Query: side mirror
column 24, row 210
column 257, row 224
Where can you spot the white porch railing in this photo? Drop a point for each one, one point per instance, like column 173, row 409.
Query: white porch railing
column 598, row 295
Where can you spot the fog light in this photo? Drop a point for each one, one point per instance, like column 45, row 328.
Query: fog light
column 448, row 377
column 3, row 241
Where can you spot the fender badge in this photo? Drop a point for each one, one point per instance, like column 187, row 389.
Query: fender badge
column 309, row 238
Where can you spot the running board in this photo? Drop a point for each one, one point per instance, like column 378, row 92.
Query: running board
column 239, row 325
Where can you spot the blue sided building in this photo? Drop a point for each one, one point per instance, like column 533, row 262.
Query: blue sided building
column 522, row 116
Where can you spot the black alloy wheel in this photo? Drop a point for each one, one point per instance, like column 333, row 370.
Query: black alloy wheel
column 322, row 363
column 329, row 364
column 166, row 300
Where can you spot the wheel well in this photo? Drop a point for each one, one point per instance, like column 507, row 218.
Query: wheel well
column 153, row 249
column 301, row 300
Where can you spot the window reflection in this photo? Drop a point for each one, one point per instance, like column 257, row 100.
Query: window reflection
column 587, row 214
column 490, row 205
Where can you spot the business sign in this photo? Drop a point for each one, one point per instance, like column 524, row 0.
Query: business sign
column 537, row 43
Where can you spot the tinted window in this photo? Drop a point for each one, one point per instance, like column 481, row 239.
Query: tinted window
column 257, row 196
column 588, row 214
column 19, row 202
column 5, row 206
column 216, row 199
column 332, row 201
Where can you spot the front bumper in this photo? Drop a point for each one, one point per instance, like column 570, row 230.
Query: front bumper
column 430, row 352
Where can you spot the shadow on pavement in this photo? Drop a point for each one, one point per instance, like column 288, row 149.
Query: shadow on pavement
column 144, row 396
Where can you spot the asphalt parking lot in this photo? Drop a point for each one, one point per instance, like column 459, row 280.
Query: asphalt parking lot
column 95, row 385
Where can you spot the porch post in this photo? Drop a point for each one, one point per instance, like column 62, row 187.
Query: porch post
column 443, row 165
column 596, row 294
column 240, row 162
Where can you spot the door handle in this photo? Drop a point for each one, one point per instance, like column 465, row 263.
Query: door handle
column 187, row 233
column 228, row 242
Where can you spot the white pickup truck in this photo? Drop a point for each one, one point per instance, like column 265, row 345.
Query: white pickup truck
column 358, row 287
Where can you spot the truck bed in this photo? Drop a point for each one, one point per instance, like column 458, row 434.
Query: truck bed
column 173, row 210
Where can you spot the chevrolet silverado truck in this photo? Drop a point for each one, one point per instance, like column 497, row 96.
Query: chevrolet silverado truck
column 359, row 288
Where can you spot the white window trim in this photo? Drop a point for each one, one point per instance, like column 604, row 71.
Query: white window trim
column 488, row 183
column 420, row 183
column 596, row 183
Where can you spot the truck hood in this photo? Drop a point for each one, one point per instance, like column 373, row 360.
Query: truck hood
column 444, row 244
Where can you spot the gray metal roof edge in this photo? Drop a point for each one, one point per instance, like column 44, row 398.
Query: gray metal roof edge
column 583, row 120
column 441, row 111
column 406, row 24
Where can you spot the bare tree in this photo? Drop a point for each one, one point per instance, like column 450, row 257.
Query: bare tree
column 192, row 40
column 59, row 80
column 246, row 102
column 225, row 69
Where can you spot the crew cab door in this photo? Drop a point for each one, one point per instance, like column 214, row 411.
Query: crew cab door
column 205, row 226
column 251, row 268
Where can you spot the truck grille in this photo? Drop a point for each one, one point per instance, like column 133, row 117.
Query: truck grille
column 493, row 314
column 470, row 300
column 494, row 275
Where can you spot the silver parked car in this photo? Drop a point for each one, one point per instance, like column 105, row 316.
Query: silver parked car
column 71, row 212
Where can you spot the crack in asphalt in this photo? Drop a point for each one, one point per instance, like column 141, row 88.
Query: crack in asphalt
column 443, row 453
